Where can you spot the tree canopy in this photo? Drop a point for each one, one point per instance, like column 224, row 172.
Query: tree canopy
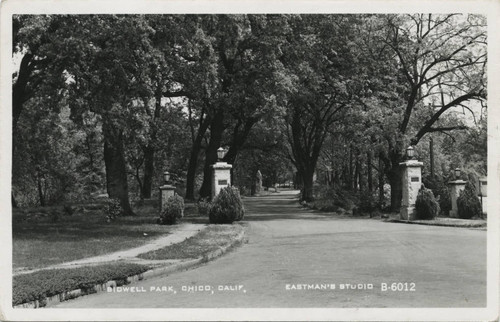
column 106, row 103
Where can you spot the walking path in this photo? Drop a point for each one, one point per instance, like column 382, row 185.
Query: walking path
column 297, row 257
column 183, row 232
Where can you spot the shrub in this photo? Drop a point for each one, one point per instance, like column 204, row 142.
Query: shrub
column 68, row 210
column 227, row 207
column 426, row 205
column 333, row 199
column 441, row 191
column 112, row 209
column 468, row 203
column 203, row 207
column 174, row 209
column 367, row 202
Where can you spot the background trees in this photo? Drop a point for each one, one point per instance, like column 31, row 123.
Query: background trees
column 111, row 101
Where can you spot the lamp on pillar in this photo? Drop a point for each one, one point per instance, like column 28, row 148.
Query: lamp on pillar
column 166, row 177
column 221, row 173
column 410, row 152
column 221, row 153
column 457, row 172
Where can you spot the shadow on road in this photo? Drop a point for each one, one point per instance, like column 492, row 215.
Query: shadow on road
column 280, row 206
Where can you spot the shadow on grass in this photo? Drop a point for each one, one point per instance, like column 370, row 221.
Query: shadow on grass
column 42, row 242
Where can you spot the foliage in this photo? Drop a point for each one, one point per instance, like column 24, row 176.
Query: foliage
column 468, row 203
column 227, row 207
column 68, row 210
column 426, row 205
column 367, row 202
column 203, row 206
column 327, row 198
column 112, row 209
column 174, row 210
column 45, row 283
column 440, row 189
column 93, row 96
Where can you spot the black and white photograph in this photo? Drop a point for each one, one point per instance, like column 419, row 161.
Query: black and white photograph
column 276, row 160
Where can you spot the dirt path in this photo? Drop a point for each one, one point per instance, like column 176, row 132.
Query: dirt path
column 295, row 255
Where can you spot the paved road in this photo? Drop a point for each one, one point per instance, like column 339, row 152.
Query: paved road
column 289, row 246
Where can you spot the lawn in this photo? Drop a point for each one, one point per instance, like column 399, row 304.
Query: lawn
column 41, row 242
column 206, row 241
column 42, row 284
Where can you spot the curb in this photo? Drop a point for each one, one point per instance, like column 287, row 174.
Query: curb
column 165, row 270
column 479, row 225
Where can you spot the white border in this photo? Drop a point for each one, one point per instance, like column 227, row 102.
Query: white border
column 490, row 8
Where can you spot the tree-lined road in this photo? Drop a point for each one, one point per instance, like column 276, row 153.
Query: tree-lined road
column 290, row 246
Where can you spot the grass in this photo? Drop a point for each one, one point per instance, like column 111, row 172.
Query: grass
column 41, row 242
column 447, row 221
column 42, row 284
column 206, row 241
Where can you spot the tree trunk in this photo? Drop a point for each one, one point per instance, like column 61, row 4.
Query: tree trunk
column 307, row 188
column 357, row 175
column 116, row 174
column 147, row 182
column 369, row 171
column 41, row 196
column 394, row 177
column 193, row 159
column 351, row 170
column 216, row 131
column 381, row 183
column 13, row 200
column 19, row 89
column 431, row 150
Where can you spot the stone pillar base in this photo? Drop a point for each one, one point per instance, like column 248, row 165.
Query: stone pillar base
column 221, row 177
column 455, row 188
column 407, row 213
column 166, row 191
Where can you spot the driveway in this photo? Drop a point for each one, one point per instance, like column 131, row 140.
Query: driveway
column 301, row 258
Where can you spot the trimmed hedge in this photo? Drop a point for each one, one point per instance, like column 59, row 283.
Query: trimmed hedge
column 468, row 203
column 174, row 209
column 426, row 205
column 227, row 207
column 42, row 284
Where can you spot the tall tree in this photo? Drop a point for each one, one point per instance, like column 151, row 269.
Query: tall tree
column 443, row 60
column 320, row 59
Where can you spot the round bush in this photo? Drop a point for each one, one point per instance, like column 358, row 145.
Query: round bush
column 174, row 209
column 426, row 205
column 227, row 207
column 112, row 209
column 468, row 203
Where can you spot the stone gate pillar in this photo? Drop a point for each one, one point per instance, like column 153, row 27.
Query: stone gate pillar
column 221, row 177
column 455, row 187
column 166, row 191
column 412, row 181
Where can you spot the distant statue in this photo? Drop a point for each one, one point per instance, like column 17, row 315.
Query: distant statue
column 258, row 182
